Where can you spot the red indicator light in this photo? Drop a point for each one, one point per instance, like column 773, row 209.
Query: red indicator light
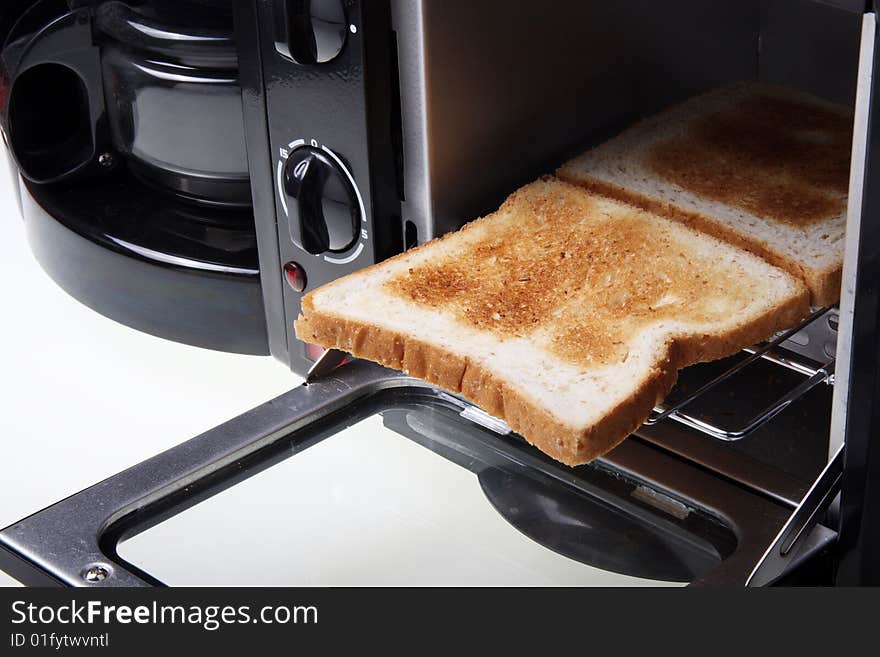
column 314, row 351
column 296, row 276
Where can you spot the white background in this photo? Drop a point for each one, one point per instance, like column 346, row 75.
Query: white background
column 82, row 397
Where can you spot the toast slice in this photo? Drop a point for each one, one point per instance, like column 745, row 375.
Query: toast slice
column 759, row 166
column 565, row 313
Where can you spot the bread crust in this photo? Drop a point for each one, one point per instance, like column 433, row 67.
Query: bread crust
column 823, row 284
column 481, row 385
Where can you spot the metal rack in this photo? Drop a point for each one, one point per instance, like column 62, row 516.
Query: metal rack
column 769, row 351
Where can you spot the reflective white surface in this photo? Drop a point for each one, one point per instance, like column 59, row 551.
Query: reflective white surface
column 82, row 397
column 365, row 507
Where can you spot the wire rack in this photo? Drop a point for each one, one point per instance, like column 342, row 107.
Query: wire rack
column 813, row 375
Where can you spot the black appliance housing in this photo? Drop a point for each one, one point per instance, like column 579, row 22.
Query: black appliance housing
column 125, row 123
column 352, row 130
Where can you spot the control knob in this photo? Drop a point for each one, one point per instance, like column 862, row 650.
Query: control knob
column 316, row 30
column 324, row 213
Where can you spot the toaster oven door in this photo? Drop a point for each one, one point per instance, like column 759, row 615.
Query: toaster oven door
column 368, row 477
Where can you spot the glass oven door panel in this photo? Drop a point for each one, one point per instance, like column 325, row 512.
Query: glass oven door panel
column 370, row 477
column 363, row 507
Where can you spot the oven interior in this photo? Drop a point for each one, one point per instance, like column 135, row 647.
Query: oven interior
column 495, row 93
column 579, row 74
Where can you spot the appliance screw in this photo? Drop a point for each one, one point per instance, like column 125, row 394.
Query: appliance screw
column 96, row 574
column 106, row 160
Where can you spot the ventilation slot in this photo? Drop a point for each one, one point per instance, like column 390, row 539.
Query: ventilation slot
column 410, row 235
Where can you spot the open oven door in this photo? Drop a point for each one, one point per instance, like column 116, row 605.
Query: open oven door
column 370, row 477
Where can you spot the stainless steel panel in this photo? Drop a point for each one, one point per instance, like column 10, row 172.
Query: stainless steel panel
column 407, row 21
column 853, row 229
column 497, row 93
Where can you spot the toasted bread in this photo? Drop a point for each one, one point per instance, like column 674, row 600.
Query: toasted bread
column 760, row 166
column 565, row 313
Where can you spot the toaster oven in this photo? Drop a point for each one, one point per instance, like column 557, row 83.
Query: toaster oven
column 193, row 168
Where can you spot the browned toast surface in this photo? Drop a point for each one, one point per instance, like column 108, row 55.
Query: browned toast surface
column 762, row 167
column 774, row 157
column 593, row 275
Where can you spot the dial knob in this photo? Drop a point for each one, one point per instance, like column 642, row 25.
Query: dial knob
column 324, row 214
column 316, row 30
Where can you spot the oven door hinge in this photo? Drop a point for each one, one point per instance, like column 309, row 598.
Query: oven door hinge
column 801, row 535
